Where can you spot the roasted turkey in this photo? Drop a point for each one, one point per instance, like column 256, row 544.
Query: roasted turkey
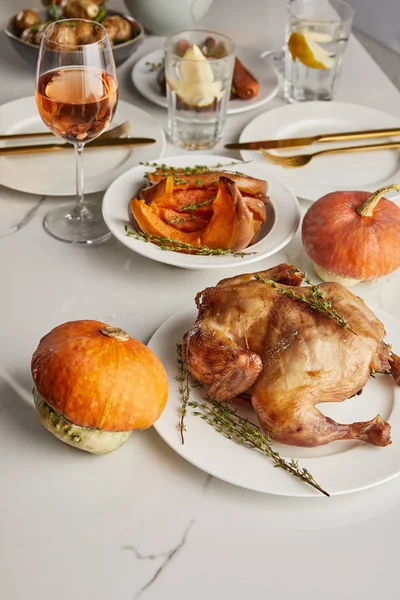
column 252, row 341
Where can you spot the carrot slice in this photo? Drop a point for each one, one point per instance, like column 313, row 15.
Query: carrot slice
column 244, row 84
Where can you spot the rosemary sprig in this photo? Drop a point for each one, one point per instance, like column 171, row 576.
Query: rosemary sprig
column 184, row 389
column 100, row 17
column 226, row 421
column 37, row 26
column 154, row 66
column 317, row 300
column 54, row 11
column 167, row 243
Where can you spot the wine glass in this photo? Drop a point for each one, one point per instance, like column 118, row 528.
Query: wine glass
column 76, row 94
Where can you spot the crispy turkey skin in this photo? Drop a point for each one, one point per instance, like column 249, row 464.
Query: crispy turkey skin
column 251, row 339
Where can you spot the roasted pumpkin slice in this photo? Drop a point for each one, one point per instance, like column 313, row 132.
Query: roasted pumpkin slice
column 149, row 222
column 186, row 222
column 222, row 229
column 257, row 226
column 159, row 192
column 257, row 207
column 244, row 216
column 210, row 179
column 197, row 202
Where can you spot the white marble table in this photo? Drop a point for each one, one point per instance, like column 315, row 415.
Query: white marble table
column 142, row 522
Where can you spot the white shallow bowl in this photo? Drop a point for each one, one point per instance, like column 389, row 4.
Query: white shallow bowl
column 283, row 215
column 161, row 17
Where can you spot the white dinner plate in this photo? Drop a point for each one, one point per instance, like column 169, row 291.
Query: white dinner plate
column 145, row 80
column 339, row 467
column 53, row 174
column 367, row 171
column 283, row 215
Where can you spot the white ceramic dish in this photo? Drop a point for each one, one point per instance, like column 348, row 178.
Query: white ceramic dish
column 282, row 221
column 353, row 171
column 53, row 174
column 163, row 18
column 145, row 81
column 339, row 467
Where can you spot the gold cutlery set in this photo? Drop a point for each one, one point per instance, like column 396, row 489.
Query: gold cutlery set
column 112, row 138
column 109, row 139
column 300, row 160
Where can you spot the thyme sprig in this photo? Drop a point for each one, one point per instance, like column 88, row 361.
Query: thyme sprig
column 184, row 389
column 167, row 243
column 195, row 206
column 317, row 300
column 373, row 372
column 226, row 421
column 196, row 170
column 175, row 220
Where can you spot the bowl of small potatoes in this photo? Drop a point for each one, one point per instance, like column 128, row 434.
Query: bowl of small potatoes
column 25, row 29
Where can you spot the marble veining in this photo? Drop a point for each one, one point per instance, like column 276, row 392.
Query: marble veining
column 167, row 555
column 120, row 526
column 27, row 218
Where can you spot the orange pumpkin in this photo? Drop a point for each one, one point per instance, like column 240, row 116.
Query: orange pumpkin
column 94, row 384
column 353, row 236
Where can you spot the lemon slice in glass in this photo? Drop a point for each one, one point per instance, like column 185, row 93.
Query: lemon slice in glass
column 304, row 47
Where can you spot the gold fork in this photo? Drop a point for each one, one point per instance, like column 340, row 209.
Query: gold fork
column 300, row 160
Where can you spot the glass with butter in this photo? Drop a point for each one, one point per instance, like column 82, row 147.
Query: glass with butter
column 198, row 72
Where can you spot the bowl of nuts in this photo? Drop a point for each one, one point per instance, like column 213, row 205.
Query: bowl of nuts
column 25, row 29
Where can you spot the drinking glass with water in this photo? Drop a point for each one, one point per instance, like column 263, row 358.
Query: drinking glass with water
column 317, row 32
column 198, row 70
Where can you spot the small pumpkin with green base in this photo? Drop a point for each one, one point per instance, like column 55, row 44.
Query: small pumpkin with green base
column 353, row 236
column 94, row 384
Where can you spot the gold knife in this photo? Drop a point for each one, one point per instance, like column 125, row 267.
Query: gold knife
column 99, row 143
column 305, row 141
column 109, row 133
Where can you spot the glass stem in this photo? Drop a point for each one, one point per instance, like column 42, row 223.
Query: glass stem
column 80, row 209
